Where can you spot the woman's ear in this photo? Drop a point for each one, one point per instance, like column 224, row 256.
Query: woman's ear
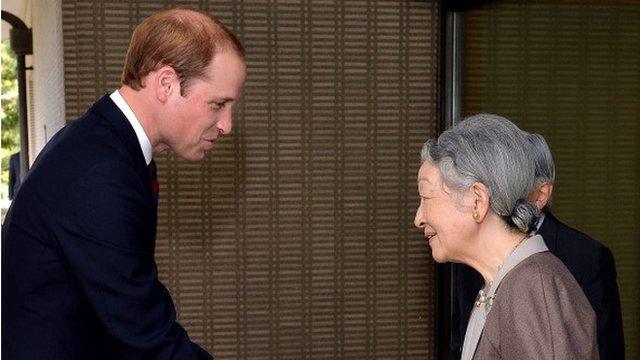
column 480, row 197
column 166, row 83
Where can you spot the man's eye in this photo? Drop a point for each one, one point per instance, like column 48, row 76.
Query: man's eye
column 217, row 106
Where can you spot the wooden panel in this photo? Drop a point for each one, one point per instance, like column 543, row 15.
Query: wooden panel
column 294, row 238
column 572, row 73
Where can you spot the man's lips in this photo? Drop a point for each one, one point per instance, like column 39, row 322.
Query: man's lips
column 208, row 143
column 430, row 236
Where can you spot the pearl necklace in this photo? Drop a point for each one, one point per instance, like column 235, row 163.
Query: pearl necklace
column 482, row 298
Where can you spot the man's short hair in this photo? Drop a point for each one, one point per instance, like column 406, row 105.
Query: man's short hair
column 545, row 167
column 183, row 39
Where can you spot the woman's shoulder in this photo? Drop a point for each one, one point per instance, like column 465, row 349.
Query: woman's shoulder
column 540, row 305
column 542, row 277
column 542, row 266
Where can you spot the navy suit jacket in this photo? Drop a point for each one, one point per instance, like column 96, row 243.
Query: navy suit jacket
column 79, row 279
column 590, row 263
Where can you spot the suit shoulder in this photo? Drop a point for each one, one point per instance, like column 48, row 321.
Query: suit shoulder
column 79, row 150
column 578, row 242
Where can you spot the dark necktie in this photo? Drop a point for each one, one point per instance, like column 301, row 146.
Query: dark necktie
column 155, row 186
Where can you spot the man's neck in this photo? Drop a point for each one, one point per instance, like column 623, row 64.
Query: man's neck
column 139, row 104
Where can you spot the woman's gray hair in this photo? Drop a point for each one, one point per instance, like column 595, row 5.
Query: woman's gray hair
column 491, row 150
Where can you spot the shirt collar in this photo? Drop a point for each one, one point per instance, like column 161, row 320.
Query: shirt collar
column 145, row 144
column 536, row 228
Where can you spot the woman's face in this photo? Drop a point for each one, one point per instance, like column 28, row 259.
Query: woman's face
column 447, row 224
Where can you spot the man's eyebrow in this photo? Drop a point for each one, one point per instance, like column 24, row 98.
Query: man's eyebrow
column 222, row 100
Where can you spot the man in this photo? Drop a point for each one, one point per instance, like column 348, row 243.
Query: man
column 79, row 280
column 590, row 262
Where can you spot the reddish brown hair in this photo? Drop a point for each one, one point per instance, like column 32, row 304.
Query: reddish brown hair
column 183, row 39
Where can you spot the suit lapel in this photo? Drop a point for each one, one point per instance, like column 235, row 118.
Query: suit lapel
column 106, row 109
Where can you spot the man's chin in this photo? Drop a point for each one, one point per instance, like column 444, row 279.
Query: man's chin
column 439, row 257
column 192, row 156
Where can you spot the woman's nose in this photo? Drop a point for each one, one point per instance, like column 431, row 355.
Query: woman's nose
column 419, row 219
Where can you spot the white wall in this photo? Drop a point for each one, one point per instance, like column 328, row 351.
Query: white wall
column 48, row 74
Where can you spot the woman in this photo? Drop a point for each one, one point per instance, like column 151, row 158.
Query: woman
column 472, row 184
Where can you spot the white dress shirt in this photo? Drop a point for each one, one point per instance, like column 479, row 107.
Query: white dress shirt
column 145, row 144
column 538, row 224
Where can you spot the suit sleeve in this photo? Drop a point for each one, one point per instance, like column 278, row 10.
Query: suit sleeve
column 107, row 235
column 601, row 288
column 545, row 318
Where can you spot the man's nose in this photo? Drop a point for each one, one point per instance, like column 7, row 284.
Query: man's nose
column 225, row 123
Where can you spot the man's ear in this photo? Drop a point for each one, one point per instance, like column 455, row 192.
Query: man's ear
column 480, row 197
column 166, row 83
column 542, row 194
